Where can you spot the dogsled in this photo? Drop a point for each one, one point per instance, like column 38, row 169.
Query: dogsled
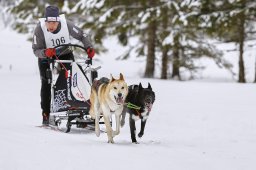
column 71, row 82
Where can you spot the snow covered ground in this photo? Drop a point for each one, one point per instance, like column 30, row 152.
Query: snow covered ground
column 194, row 125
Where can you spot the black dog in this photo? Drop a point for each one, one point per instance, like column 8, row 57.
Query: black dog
column 139, row 104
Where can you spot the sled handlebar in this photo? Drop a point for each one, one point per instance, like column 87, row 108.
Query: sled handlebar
column 68, row 61
column 88, row 60
column 92, row 69
column 88, row 69
column 71, row 61
column 72, row 45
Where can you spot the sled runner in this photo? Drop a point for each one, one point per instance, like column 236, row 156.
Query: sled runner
column 70, row 89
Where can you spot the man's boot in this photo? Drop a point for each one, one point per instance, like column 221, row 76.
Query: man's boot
column 45, row 119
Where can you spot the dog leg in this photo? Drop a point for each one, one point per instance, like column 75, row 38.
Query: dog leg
column 118, row 117
column 97, row 124
column 97, row 118
column 108, row 128
column 142, row 127
column 133, row 130
column 123, row 116
column 92, row 101
column 94, row 112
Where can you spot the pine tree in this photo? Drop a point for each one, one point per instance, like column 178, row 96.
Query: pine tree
column 26, row 13
column 125, row 19
column 5, row 17
column 231, row 22
column 182, row 38
column 165, row 46
column 172, row 29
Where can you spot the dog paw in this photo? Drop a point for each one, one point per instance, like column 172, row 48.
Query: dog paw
column 140, row 135
column 97, row 132
column 115, row 133
column 136, row 142
column 111, row 141
column 122, row 123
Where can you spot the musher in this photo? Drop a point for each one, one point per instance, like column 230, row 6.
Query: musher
column 51, row 31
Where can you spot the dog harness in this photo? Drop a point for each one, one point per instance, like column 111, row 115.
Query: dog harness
column 96, row 83
column 133, row 106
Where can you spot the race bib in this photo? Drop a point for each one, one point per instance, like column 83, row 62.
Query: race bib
column 62, row 37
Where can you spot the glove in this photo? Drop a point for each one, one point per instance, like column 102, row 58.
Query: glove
column 90, row 52
column 50, row 52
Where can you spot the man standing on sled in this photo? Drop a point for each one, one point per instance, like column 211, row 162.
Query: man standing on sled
column 51, row 31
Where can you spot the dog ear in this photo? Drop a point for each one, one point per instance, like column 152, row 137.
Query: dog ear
column 121, row 77
column 140, row 87
column 112, row 78
column 149, row 86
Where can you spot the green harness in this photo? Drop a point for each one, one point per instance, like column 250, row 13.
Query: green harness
column 132, row 106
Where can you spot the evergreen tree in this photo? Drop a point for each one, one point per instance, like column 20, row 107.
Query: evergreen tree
column 127, row 19
column 27, row 12
column 5, row 17
column 163, row 43
column 231, row 22
column 183, row 39
column 173, row 30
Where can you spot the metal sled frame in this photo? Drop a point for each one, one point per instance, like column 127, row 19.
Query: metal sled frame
column 74, row 116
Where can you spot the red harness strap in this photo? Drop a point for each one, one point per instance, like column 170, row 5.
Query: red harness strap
column 138, row 113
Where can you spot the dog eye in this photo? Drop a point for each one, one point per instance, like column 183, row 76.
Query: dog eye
column 115, row 88
column 122, row 87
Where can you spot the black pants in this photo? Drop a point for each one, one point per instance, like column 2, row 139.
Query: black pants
column 45, row 85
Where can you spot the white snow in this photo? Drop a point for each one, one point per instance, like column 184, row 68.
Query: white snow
column 194, row 125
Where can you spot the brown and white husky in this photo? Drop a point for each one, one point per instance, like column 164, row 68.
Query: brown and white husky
column 107, row 98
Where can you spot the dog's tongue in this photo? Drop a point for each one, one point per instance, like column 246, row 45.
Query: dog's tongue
column 119, row 100
column 149, row 107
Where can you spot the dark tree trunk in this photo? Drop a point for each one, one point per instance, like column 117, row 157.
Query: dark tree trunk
column 151, row 34
column 164, row 63
column 176, row 59
column 165, row 48
column 150, row 65
column 241, row 78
